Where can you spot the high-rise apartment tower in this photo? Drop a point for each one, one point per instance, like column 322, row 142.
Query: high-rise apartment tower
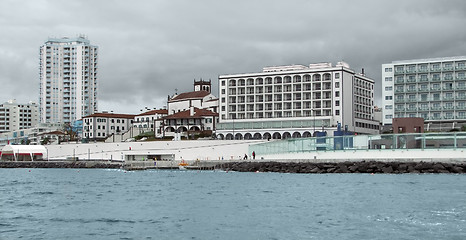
column 68, row 79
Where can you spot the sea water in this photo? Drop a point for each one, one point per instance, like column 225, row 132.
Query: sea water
column 117, row 204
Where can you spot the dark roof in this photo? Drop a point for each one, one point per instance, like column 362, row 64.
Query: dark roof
column 198, row 113
column 53, row 133
column 111, row 115
column 153, row 112
column 190, row 95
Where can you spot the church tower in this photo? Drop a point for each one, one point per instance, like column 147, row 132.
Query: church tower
column 202, row 85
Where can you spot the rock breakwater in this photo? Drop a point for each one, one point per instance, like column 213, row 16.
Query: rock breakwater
column 346, row 167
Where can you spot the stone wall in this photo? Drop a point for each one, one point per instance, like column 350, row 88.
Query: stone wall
column 59, row 164
column 346, row 167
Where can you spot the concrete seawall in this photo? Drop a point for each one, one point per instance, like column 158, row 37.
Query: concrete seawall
column 60, row 164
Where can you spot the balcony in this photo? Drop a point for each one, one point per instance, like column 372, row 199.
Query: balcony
column 423, row 89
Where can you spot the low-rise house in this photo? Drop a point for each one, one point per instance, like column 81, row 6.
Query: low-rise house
column 150, row 121
column 100, row 126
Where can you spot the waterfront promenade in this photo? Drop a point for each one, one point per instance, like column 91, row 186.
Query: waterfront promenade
column 235, row 150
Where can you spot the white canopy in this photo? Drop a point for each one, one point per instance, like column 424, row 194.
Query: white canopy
column 24, row 150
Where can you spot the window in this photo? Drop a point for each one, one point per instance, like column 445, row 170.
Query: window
column 388, row 106
column 388, row 70
column 423, row 97
column 388, row 79
column 223, row 83
column 337, row 75
column 337, row 103
column 389, row 88
column 337, row 93
column 389, row 116
column 337, row 112
column 337, row 84
column 388, row 97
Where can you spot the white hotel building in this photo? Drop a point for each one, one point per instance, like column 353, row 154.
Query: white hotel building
column 15, row 116
column 295, row 101
column 68, row 80
column 434, row 89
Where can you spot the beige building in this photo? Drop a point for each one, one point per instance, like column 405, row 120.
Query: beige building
column 295, row 101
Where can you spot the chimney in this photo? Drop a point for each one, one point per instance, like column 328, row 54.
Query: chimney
column 362, row 71
column 191, row 111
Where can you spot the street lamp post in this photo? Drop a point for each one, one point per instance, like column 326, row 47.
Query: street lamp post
column 233, row 128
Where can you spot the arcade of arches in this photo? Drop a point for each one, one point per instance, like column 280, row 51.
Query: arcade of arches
column 266, row 135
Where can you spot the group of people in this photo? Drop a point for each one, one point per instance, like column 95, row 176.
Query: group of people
column 253, row 155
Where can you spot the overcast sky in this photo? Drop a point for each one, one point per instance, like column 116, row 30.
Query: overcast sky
column 150, row 48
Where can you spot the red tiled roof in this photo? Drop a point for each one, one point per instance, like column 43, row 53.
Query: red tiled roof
column 153, row 112
column 211, row 100
column 198, row 113
column 190, row 95
column 111, row 115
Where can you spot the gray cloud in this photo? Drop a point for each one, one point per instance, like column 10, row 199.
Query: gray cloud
column 150, row 48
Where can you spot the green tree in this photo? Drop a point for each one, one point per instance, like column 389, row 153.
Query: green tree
column 45, row 141
column 70, row 134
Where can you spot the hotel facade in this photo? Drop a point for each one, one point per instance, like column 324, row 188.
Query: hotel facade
column 295, row 101
column 68, row 80
column 433, row 89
